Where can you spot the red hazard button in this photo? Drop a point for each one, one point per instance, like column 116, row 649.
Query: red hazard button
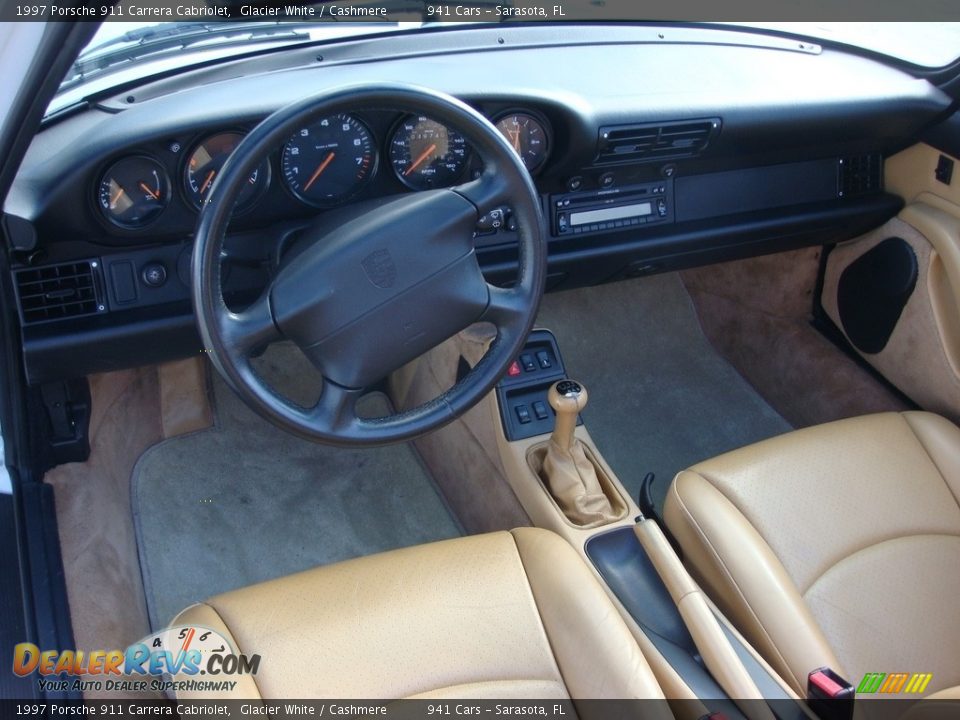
column 514, row 369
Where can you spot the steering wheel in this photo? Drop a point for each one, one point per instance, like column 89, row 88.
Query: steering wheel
column 380, row 282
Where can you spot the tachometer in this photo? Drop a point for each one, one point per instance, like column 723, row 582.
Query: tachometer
column 427, row 154
column 329, row 161
column 528, row 137
column 133, row 191
column 206, row 160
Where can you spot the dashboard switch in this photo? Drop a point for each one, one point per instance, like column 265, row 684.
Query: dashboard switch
column 514, row 369
column 528, row 363
column 154, row 274
column 523, row 414
column 543, row 359
column 540, row 410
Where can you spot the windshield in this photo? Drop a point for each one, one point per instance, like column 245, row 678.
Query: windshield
column 927, row 44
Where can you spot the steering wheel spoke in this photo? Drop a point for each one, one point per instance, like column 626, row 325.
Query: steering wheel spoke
column 487, row 192
column 251, row 329
column 336, row 409
column 507, row 306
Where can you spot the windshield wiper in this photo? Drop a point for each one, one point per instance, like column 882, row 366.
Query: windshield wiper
column 141, row 42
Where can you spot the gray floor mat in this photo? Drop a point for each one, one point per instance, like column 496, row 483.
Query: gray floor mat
column 244, row 502
column 661, row 398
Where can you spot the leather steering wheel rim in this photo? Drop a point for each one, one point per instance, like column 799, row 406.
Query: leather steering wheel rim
column 232, row 338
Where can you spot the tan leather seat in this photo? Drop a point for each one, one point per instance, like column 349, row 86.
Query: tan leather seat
column 836, row 545
column 504, row 615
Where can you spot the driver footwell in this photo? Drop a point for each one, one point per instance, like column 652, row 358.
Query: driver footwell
column 244, row 502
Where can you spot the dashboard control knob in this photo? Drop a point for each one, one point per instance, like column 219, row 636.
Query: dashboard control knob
column 575, row 183
column 154, row 274
column 606, row 180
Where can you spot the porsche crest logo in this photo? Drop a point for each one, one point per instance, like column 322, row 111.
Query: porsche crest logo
column 380, row 268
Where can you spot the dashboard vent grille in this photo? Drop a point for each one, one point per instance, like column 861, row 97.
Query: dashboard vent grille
column 61, row 291
column 860, row 175
column 655, row 141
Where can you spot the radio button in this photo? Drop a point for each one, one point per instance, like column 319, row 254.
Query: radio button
column 606, row 180
column 575, row 183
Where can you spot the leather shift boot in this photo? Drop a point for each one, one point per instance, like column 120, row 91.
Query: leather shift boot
column 572, row 480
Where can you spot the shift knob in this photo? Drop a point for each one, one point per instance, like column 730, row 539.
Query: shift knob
column 567, row 398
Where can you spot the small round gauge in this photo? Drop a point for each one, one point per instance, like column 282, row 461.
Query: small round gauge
column 206, row 160
column 329, row 161
column 427, row 154
column 528, row 137
column 134, row 191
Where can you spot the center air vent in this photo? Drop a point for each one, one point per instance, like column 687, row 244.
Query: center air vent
column 61, row 291
column 654, row 141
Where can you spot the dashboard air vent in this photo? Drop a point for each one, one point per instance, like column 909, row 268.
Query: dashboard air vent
column 60, row 291
column 860, row 175
column 655, row 141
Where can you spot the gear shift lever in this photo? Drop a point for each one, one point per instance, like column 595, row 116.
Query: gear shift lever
column 567, row 398
column 567, row 472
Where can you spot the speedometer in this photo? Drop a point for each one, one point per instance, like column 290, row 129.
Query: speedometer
column 330, row 160
column 427, row 154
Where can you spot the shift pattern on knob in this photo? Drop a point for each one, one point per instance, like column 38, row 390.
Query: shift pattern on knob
column 569, row 388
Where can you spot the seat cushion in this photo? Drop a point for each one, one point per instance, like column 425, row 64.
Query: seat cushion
column 835, row 545
column 503, row 615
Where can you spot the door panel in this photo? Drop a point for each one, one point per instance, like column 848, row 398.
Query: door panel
column 921, row 356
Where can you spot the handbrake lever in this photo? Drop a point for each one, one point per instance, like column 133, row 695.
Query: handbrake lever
column 714, row 647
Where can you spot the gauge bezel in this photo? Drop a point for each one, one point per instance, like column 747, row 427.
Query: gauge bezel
column 327, row 204
column 389, row 147
column 187, row 193
column 544, row 123
column 105, row 216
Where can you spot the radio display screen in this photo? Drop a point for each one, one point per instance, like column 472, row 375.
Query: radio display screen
column 612, row 213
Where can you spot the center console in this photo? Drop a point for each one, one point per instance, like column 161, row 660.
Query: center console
column 563, row 483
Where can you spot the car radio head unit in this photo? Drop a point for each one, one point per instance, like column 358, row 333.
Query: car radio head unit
column 612, row 209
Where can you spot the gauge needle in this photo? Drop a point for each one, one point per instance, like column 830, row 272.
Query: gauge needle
column 319, row 171
column 116, row 196
column 148, row 191
column 206, row 183
column 516, row 140
column 186, row 641
column 423, row 156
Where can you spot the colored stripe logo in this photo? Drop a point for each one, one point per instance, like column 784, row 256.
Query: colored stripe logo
column 893, row 683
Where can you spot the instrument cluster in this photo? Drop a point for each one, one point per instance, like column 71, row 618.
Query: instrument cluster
column 322, row 165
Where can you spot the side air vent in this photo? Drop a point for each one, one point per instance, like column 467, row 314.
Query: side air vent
column 655, row 141
column 61, row 291
column 860, row 175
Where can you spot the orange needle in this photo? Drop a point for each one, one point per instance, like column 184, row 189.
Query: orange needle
column 148, row 191
column 423, row 156
column 116, row 196
column 186, row 642
column 206, row 183
column 320, row 168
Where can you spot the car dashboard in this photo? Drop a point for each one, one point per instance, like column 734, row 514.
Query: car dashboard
column 652, row 149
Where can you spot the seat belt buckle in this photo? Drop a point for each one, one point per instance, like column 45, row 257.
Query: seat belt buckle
column 829, row 695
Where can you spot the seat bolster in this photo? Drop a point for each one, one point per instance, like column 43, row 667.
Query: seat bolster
column 740, row 572
column 941, row 439
column 202, row 615
column 582, row 623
